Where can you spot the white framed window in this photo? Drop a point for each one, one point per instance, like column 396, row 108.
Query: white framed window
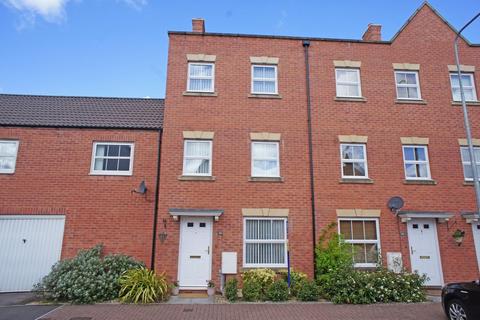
column 265, row 159
column 354, row 160
column 408, row 85
column 201, row 77
column 348, row 83
column 468, row 87
column 265, row 242
column 264, row 79
column 416, row 162
column 363, row 235
column 8, row 155
column 467, row 164
column 197, row 158
column 112, row 158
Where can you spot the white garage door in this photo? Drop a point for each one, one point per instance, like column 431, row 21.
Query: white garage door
column 29, row 246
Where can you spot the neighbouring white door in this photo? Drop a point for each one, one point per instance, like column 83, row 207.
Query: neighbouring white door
column 29, row 246
column 195, row 260
column 424, row 250
column 476, row 238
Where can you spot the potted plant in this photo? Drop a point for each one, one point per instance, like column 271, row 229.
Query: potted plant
column 458, row 235
column 210, row 288
column 175, row 288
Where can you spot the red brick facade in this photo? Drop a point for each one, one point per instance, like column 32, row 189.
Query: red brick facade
column 232, row 113
column 52, row 177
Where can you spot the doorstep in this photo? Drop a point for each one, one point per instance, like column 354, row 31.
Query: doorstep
column 192, row 298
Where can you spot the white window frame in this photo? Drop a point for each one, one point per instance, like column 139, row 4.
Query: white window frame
column 112, row 172
column 342, row 161
column 284, row 241
column 404, row 85
column 468, row 162
column 472, row 79
column 337, row 83
column 426, row 161
column 377, row 242
column 211, row 78
column 10, row 171
column 264, row 79
column 185, row 158
column 277, row 143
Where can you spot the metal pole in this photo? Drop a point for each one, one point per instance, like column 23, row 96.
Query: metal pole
column 466, row 120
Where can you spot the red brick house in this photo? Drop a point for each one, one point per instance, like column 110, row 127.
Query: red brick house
column 266, row 141
column 68, row 166
column 235, row 177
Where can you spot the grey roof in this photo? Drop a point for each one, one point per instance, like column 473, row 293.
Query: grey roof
column 80, row 112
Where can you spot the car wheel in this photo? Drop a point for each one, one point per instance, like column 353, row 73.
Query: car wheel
column 457, row 311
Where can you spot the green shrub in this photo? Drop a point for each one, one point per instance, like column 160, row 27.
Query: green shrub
column 332, row 254
column 142, row 286
column 231, row 289
column 278, row 291
column 252, row 291
column 265, row 277
column 307, row 291
column 297, row 279
column 86, row 278
column 359, row 287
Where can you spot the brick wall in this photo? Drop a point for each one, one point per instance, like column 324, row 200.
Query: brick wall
column 52, row 177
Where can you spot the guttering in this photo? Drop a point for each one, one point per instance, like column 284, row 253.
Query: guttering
column 155, row 208
column 306, row 45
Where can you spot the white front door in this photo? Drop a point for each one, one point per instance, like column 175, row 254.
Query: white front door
column 195, row 262
column 476, row 238
column 424, row 251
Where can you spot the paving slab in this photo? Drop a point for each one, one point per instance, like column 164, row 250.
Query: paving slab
column 273, row 311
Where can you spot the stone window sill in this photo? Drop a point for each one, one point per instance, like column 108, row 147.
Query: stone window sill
column 406, row 101
column 469, row 103
column 356, row 181
column 196, row 178
column 351, row 99
column 421, row 182
column 266, row 179
column 276, row 269
column 200, row 94
column 265, row 96
column 468, row 183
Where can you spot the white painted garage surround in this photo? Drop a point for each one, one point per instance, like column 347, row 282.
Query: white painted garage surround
column 29, row 246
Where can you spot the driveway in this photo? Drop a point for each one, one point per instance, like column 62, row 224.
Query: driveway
column 15, row 306
column 291, row 311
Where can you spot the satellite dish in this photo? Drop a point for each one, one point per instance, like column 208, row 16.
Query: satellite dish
column 142, row 188
column 395, row 204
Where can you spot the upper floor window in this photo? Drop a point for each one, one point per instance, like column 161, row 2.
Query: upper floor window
column 468, row 87
column 8, row 155
column 354, row 161
column 363, row 236
column 348, row 83
column 201, row 77
column 265, row 159
column 408, row 86
column 467, row 164
column 416, row 163
column 197, row 158
column 264, row 79
column 265, row 242
column 112, row 158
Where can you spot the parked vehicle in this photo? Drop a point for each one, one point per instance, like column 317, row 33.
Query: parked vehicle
column 461, row 301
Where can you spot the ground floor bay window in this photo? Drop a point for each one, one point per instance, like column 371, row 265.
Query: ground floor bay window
column 265, row 242
column 363, row 235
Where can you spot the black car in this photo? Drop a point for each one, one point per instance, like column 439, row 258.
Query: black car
column 461, row 301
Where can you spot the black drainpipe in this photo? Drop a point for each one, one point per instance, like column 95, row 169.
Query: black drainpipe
column 155, row 208
column 306, row 45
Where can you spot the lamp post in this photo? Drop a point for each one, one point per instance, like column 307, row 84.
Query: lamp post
column 466, row 120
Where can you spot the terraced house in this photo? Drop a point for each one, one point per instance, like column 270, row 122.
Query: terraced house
column 266, row 141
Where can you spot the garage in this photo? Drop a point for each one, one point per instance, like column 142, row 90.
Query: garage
column 29, row 246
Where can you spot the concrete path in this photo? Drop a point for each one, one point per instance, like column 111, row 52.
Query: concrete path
column 291, row 311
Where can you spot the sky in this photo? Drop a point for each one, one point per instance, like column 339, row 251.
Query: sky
column 119, row 47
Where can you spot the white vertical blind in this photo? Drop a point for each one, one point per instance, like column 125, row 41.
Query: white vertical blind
column 265, row 242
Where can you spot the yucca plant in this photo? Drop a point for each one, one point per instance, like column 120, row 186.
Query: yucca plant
column 142, row 286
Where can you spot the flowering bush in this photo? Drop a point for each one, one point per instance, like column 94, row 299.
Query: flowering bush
column 297, row 280
column 278, row 291
column 308, row 291
column 87, row 278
